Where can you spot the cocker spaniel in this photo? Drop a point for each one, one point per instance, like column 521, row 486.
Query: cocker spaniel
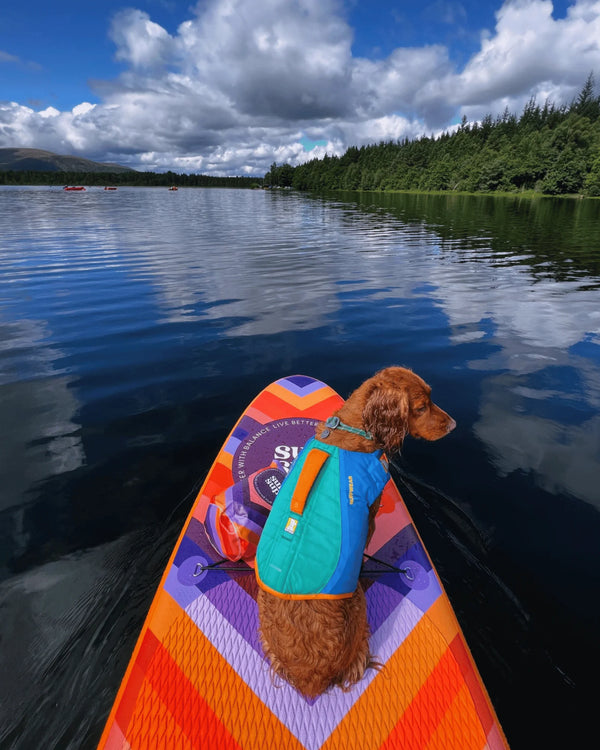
column 312, row 608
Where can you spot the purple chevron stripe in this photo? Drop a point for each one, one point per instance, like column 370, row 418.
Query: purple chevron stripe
column 232, row 445
column 183, row 595
column 234, row 604
column 301, row 385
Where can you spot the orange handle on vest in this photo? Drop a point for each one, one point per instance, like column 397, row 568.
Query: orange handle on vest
column 312, row 466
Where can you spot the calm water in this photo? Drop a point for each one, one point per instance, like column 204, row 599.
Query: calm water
column 134, row 328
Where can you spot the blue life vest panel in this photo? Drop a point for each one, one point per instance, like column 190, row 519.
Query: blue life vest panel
column 312, row 544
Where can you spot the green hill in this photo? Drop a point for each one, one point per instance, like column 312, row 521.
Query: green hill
column 35, row 160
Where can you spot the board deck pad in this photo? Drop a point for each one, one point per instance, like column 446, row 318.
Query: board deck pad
column 198, row 677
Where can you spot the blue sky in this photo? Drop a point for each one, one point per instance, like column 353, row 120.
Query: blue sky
column 228, row 86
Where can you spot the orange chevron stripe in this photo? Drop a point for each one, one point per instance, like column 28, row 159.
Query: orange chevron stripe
column 278, row 403
column 381, row 706
column 273, row 406
column 163, row 610
column 155, row 729
column 284, row 401
column 127, row 703
column 478, row 693
column 164, row 614
column 226, row 459
column 246, row 717
column 302, row 403
column 458, row 727
column 442, row 616
column 170, row 713
column 437, row 703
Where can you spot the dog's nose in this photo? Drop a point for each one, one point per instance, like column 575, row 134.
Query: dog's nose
column 451, row 425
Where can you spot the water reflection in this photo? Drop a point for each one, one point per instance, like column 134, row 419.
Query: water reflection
column 555, row 238
column 536, row 317
column 101, row 289
column 58, row 636
column 563, row 456
column 92, row 277
column 41, row 408
column 226, row 258
column 533, row 328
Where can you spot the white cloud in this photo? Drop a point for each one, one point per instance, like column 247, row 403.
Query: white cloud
column 139, row 40
column 49, row 112
column 83, row 109
column 531, row 53
column 236, row 85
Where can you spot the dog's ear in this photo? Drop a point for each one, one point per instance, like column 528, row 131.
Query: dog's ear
column 385, row 416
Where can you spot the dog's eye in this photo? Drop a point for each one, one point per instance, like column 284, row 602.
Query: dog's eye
column 421, row 409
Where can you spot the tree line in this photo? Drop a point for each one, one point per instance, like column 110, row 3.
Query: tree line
column 548, row 149
column 132, row 179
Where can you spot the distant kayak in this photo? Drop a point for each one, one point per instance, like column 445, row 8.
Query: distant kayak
column 109, row 188
column 73, row 187
column 173, row 188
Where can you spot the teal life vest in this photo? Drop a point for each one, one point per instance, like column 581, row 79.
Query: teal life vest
column 313, row 541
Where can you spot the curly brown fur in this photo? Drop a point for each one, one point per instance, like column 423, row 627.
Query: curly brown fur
column 315, row 644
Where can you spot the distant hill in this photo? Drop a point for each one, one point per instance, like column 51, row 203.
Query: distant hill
column 35, row 160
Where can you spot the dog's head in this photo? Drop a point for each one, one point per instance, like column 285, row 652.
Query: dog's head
column 397, row 402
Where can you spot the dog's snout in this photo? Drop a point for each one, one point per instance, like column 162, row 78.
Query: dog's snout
column 451, row 425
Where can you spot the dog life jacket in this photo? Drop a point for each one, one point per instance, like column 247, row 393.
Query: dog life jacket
column 313, row 541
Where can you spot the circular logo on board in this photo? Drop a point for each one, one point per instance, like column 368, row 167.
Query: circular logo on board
column 280, row 440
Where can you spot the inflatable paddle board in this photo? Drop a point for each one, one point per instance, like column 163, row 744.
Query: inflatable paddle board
column 198, row 678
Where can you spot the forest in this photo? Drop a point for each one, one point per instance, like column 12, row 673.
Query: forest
column 131, row 178
column 552, row 150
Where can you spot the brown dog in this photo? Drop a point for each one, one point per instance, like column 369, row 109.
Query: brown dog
column 315, row 643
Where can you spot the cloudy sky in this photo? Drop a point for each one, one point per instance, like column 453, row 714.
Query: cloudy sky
column 229, row 86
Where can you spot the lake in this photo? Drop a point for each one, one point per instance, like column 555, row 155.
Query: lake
column 136, row 325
